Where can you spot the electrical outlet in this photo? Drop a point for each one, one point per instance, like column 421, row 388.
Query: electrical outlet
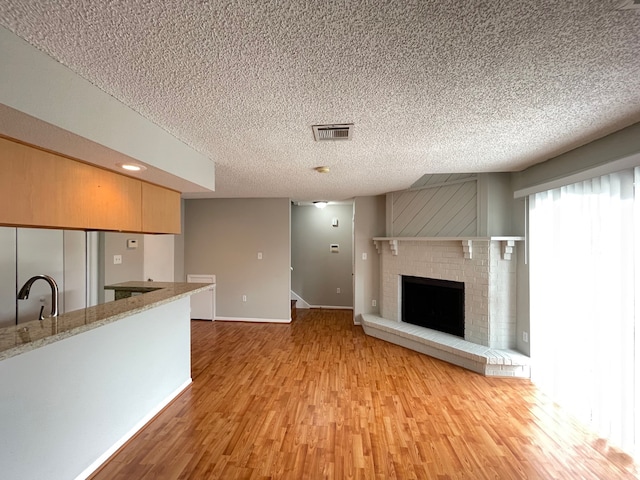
column 525, row 337
column 374, row 303
column 117, row 259
column 244, row 298
column 338, row 290
column 259, row 255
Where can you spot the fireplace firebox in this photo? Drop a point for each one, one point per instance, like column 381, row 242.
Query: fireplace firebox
column 433, row 303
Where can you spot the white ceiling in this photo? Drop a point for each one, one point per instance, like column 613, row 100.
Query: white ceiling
column 431, row 86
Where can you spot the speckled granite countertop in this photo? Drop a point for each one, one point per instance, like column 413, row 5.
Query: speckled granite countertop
column 27, row 336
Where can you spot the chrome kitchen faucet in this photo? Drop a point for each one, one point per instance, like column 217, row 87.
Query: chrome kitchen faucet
column 26, row 288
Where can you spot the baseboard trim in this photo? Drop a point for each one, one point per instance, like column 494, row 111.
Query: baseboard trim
column 254, row 320
column 330, row 307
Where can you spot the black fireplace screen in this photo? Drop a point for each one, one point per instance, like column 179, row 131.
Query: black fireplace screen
column 435, row 304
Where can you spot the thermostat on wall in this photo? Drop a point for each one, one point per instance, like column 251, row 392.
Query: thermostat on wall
column 334, row 248
column 132, row 243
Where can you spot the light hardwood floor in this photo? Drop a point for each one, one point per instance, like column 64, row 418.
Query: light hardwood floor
column 319, row 399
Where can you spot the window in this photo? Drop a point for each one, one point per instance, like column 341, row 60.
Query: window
column 585, row 280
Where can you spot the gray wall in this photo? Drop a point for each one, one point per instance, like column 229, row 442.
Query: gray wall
column 623, row 143
column 178, row 250
column 223, row 237
column 132, row 266
column 369, row 222
column 318, row 273
column 495, row 205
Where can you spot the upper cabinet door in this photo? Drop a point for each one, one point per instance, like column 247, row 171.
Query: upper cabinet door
column 160, row 209
column 43, row 189
column 96, row 199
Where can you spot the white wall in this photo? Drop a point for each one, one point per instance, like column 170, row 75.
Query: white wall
column 66, row 406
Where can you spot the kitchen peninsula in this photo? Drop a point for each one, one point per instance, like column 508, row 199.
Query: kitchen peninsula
column 76, row 387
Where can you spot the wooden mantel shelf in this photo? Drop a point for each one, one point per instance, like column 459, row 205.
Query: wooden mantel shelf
column 507, row 243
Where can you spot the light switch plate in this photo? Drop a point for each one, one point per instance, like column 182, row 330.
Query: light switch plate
column 117, row 259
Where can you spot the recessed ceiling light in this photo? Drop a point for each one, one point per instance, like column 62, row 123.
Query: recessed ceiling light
column 131, row 167
column 322, row 169
column 320, row 204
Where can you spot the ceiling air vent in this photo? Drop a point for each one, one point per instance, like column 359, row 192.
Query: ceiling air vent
column 332, row 132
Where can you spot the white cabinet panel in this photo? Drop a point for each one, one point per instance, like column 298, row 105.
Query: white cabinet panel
column 203, row 304
column 7, row 276
column 40, row 252
column 158, row 258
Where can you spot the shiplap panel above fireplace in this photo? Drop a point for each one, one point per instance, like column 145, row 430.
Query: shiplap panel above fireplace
column 447, row 209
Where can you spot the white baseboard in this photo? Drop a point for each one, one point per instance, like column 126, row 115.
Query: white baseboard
column 301, row 303
column 330, row 307
column 136, row 428
column 255, row 320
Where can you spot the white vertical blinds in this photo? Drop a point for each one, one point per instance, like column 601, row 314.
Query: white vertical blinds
column 584, row 244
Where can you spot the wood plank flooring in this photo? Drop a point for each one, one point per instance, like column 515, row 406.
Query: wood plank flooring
column 319, row 399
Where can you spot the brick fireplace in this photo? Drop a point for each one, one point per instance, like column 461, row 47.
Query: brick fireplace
column 485, row 267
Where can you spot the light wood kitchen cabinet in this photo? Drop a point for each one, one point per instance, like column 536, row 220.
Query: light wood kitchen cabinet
column 43, row 189
column 160, row 209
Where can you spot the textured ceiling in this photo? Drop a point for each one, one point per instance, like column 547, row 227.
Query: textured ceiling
column 431, row 86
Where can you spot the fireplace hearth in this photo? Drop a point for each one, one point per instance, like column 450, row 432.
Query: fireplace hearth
column 433, row 303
